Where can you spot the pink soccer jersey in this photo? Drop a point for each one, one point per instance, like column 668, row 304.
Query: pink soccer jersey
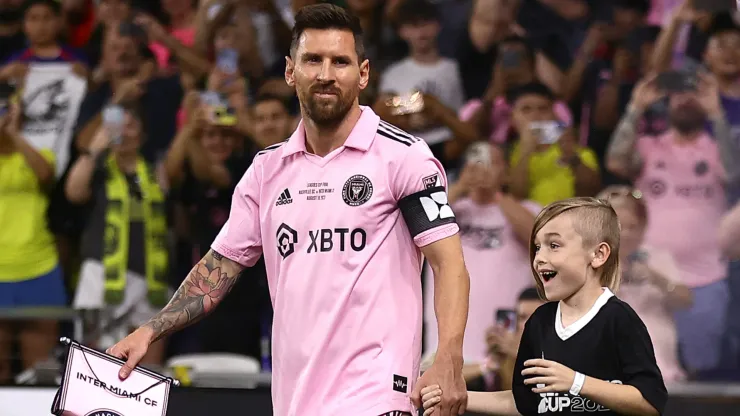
column 341, row 236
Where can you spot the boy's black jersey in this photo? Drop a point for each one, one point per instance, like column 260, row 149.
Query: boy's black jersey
column 609, row 343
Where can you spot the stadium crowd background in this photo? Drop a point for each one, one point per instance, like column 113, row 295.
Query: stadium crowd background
column 485, row 70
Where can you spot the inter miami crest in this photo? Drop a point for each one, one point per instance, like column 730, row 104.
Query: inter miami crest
column 103, row 412
column 357, row 190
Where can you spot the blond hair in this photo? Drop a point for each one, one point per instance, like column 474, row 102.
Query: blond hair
column 596, row 222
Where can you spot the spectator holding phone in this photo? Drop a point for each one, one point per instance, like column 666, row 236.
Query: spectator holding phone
column 683, row 180
column 651, row 280
column 124, row 245
column 30, row 275
column 514, row 67
column 494, row 229
column 547, row 162
column 495, row 372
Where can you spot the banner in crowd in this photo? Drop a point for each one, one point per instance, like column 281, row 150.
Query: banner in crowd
column 51, row 99
column 91, row 387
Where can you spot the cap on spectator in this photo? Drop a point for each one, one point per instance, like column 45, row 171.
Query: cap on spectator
column 533, row 88
column 640, row 6
column 416, row 11
column 54, row 5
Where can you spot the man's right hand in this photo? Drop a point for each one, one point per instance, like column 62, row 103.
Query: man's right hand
column 646, row 93
column 132, row 349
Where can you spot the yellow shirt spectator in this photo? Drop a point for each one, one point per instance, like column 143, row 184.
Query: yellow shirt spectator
column 549, row 179
column 27, row 248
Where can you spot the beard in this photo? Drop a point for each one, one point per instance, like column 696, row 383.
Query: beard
column 687, row 120
column 329, row 111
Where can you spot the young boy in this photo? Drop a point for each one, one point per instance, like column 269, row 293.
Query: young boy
column 586, row 350
column 42, row 24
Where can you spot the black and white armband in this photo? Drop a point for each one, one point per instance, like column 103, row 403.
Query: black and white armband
column 426, row 209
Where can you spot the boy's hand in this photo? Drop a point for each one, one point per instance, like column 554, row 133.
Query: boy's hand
column 548, row 376
column 430, row 397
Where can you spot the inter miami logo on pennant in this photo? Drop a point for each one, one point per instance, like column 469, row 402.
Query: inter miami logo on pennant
column 287, row 238
column 103, row 412
column 431, row 181
column 400, row 383
column 357, row 190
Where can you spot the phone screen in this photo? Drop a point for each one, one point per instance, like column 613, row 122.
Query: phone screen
column 113, row 120
column 676, row 81
column 506, row 318
column 547, row 132
column 228, row 61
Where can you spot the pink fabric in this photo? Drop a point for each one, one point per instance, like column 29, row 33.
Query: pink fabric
column 501, row 116
column 346, row 319
column 186, row 36
column 650, row 303
column 683, row 187
column 499, row 269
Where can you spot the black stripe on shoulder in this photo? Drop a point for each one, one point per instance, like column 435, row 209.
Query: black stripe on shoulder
column 270, row 148
column 391, row 128
column 395, row 139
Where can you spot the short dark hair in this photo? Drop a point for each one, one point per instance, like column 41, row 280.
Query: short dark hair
column 722, row 22
column 529, row 293
column 54, row 5
column 323, row 17
column 520, row 40
column 416, row 11
column 640, row 6
column 265, row 97
column 533, row 88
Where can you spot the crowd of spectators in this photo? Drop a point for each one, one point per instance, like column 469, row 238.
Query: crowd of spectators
column 524, row 102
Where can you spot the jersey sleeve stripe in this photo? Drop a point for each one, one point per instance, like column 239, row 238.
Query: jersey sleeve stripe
column 391, row 128
column 405, row 137
column 270, row 148
column 396, row 139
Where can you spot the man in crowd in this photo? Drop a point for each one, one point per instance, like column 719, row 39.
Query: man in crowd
column 683, row 182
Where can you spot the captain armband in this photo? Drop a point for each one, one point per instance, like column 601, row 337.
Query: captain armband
column 426, row 209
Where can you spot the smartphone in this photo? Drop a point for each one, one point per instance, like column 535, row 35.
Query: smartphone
column 128, row 28
column 211, row 99
column 409, row 103
column 511, row 59
column 228, row 61
column 714, row 6
column 547, row 132
column 479, row 153
column 676, row 81
column 113, row 120
column 506, row 318
column 7, row 91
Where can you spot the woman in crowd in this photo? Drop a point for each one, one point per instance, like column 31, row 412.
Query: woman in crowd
column 650, row 281
column 124, row 244
column 30, row 275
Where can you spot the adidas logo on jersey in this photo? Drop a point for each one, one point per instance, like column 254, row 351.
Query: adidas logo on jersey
column 436, row 206
column 284, row 198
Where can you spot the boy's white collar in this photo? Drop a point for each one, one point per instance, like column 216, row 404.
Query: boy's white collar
column 572, row 329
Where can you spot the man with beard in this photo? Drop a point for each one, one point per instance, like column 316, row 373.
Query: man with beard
column 683, row 183
column 344, row 212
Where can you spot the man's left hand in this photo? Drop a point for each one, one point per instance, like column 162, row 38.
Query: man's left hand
column 446, row 372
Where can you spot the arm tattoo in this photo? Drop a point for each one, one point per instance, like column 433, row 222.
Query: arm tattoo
column 622, row 145
column 199, row 294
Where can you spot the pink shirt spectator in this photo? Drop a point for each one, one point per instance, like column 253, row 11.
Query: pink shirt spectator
column 651, row 306
column 501, row 116
column 343, row 264
column 186, row 36
column 683, row 186
column 499, row 269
